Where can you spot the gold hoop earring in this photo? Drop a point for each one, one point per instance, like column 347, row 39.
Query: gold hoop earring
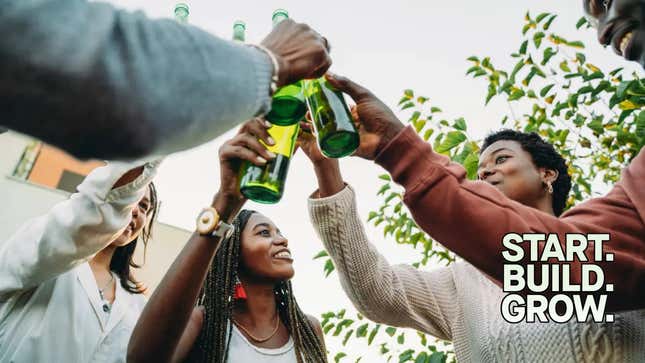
column 549, row 188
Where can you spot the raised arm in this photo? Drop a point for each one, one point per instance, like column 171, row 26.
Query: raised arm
column 148, row 86
column 398, row 295
column 472, row 217
column 156, row 337
column 75, row 229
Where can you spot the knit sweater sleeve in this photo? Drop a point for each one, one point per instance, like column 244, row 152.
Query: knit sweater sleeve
column 397, row 295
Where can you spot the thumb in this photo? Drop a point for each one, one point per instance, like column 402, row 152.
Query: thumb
column 345, row 85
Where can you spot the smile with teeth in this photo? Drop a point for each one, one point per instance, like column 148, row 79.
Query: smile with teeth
column 283, row 255
column 625, row 41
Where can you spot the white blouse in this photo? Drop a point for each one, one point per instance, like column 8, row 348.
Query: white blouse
column 50, row 307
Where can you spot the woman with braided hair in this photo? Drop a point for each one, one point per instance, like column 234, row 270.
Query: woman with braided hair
column 238, row 276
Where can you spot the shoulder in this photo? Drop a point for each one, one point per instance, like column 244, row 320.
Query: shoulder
column 315, row 323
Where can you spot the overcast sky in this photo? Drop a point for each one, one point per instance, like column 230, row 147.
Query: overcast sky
column 388, row 47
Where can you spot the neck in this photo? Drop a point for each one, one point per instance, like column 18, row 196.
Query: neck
column 545, row 205
column 101, row 261
column 259, row 307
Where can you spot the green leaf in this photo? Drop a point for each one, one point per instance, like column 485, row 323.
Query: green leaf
column 473, row 59
column 347, row 336
column 407, row 105
column 547, row 55
column 547, row 25
column 390, row 330
column 516, row 69
column 582, row 21
column 539, row 18
column 361, row 331
column 596, row 125
column 427, row 134
column 320, row 254
column 452, row 140
column 471, row 164
column 516, row 95
column 421, row 358
column 523, row 47
column 438, row 357
column 460, row 124
column 435, row 109
column 406, row 355
column 537, row 39
column 564, row 66
column 383, row 189
column 545, row 90
column 577, row 44
column 401, row 338
column 408, row 93
column 339, row 356
column 385, row 177
column 581, row 58
column 375, row 330
column 329, row 267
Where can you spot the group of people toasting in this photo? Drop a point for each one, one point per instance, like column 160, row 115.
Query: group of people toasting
column 67, row 290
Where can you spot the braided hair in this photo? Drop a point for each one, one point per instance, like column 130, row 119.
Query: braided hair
column 543, row 155
column 217, row 298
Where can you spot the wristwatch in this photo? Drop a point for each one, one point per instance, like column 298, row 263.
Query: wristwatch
column 209, row 224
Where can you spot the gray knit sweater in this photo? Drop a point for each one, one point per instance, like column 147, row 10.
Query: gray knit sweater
column 459, row 303
column 131, row 79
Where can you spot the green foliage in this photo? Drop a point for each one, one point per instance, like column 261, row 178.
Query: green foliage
column 594, row 118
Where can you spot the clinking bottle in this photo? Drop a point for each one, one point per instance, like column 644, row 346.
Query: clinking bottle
column 265, row 184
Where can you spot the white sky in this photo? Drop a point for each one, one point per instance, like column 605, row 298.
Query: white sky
column 388, row 47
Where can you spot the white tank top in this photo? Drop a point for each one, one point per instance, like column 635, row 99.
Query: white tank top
column 242, row 351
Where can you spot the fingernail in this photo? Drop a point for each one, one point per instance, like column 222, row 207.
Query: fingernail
column 331, row 75
column 267, row 124
column 270, row 140
column 261, row 160
column 272, row 155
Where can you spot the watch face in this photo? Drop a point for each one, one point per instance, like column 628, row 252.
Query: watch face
column 206, row 221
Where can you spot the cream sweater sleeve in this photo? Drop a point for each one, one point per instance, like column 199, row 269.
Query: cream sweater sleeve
column 397, row 295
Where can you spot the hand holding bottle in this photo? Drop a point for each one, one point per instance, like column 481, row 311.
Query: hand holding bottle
column 377, row 123
column 300, row 51
column 245, row 146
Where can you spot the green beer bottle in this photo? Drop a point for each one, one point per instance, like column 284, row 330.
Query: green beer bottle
column 265, row 184
column 288, row 104
column 239, row 27
column 333, row 123
column 181, row 12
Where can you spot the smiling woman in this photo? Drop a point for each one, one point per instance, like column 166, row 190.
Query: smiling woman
column 240, row 281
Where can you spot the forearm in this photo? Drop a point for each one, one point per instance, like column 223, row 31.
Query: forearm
column 156, row 336
column 330, row 180
column 137, row 85
column 471, row 218
column 397, row 295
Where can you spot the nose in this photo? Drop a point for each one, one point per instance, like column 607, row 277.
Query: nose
column 281, row 240
column 135, row 212
column 485, row 173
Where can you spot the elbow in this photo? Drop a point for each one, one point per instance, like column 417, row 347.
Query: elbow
column 119, row 140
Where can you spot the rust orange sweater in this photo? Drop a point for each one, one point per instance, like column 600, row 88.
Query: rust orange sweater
column 471, row 217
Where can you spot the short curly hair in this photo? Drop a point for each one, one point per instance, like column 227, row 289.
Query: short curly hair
column 544, row 155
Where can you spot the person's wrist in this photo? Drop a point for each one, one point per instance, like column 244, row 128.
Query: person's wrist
column 227, row 205
column 324, row 166
column 394, row 128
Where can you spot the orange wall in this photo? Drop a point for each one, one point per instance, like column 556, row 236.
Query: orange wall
column 51, row 162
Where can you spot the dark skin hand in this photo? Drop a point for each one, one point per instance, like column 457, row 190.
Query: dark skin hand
column 157, row 338
column 378, row 124
column 300, row 51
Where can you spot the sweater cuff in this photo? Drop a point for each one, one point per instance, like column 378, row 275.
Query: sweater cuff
column 263, row 72
column 400, row 157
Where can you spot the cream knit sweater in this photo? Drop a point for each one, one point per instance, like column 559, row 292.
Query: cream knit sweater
column 459, row 303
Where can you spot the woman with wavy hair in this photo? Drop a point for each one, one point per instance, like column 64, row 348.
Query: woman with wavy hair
column 246, row 310
column 67, row 292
